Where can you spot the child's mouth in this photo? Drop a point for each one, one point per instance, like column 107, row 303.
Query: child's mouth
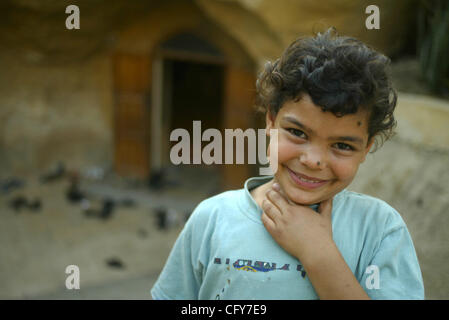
column 305, row 182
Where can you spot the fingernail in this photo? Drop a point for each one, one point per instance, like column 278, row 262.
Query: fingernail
column 276, row 186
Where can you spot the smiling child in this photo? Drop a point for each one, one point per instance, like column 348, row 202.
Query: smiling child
column 300, row 234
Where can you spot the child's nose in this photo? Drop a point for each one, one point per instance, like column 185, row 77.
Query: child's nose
column 312, row 159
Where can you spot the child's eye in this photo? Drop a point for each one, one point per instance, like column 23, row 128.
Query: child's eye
column 296, row 132
column 344, row 146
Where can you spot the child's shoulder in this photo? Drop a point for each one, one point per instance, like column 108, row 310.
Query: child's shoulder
column 362, row 198
column 369, row 207
column 223, row 198
column 227, row 201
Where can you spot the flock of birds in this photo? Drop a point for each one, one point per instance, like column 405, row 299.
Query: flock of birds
column 165, row 218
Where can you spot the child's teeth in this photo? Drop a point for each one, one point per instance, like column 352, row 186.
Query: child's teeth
column 303, row 179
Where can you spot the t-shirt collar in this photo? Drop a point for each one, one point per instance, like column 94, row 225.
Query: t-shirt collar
column 247, row 202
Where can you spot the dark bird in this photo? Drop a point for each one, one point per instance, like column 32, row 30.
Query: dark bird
column 74, row 193
column 157, row 180
column 161, row 218
column 115, row 263
column 108, row 208
column 18, row 203
column 53, row 174
column 10, row 184
column 35, row 205
column 104, row 213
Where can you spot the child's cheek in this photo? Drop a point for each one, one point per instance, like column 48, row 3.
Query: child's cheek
column 287, row 150
column 344, row 170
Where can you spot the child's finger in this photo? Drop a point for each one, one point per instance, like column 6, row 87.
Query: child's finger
column 267, row 222
column 276, row 186
column 270, row 210
column 277, row 198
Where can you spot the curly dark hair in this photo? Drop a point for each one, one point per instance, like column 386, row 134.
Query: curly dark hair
column 340, row 74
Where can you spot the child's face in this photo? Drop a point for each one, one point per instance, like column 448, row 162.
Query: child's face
column 319, row 145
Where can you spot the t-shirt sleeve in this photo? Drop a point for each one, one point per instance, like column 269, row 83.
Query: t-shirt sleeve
column 182, row 274
column 394, row 271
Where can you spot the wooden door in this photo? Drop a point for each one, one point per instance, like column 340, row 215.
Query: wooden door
column 239, row 113
column 132, row 78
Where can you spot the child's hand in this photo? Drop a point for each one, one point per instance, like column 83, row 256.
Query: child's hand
column 298, row 229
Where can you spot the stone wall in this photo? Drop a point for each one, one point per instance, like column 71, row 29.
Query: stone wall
column 410, row 172
column 55, row 113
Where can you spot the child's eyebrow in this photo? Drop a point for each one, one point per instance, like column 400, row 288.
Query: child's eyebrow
column 357, row 140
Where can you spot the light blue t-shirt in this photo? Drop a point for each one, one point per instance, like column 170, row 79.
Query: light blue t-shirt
column 225, row 252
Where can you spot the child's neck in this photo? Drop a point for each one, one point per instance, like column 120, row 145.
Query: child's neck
column 259, row 193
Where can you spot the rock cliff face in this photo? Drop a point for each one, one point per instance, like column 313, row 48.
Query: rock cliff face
column 286, row 20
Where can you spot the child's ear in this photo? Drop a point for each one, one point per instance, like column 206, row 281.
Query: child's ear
column 368, row 148
column 269, row 119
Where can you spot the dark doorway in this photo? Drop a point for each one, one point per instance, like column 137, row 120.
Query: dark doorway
column 196, row 94
column 193, row 91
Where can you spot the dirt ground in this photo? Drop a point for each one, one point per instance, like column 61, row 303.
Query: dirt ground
column 37, row 246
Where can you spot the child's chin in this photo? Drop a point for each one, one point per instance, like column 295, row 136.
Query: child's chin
column 304, row 200
column 304, row 203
